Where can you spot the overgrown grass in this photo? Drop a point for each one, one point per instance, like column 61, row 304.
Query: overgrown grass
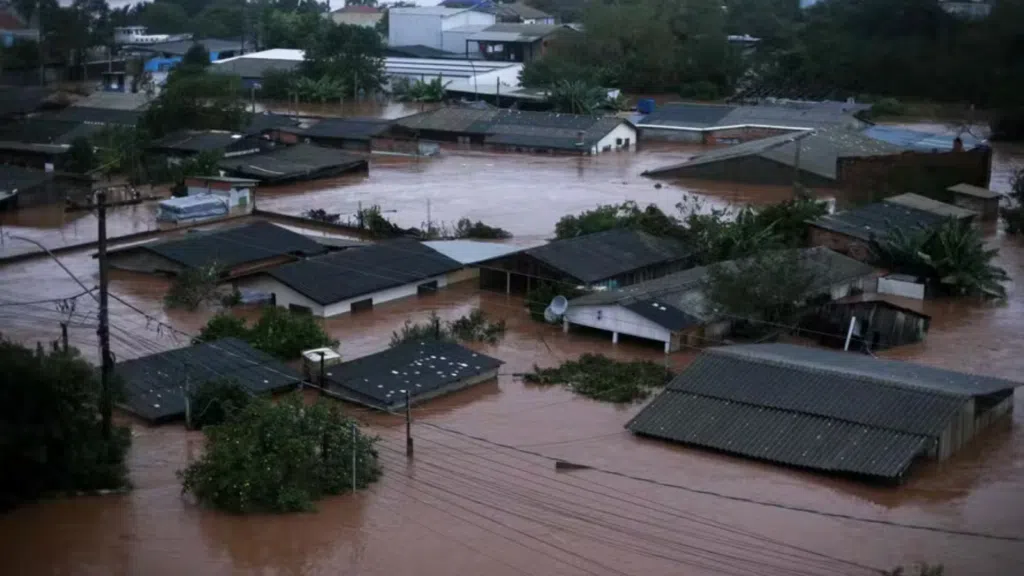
column 601, row 378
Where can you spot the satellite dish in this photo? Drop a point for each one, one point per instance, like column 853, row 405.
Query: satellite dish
column 549, row 316
column 559, row 305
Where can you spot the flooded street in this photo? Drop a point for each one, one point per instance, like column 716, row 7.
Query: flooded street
column 482, row 495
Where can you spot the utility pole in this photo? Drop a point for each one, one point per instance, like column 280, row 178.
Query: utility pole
column 355, row 441
column 796, row 170
column 107, row 361
column 408, row 426
column 322, row 383
column 64, row 336
column 428, row 219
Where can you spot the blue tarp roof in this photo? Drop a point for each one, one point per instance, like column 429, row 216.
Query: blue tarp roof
column 918, row 140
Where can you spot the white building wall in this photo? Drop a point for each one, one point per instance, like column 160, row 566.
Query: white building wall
column 286, row 296
column 623, row 132
column 901, row 288
column 410, row 27
column 455, row 41
column 469, row 18
column 614, row 318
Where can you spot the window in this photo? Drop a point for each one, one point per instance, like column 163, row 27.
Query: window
column 362, row 305
column 618, row 141
column 426, row 288
column 298, row 309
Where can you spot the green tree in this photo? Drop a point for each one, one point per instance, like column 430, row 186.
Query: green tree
column 81, row 157
column 217, row 401
column 601, row 378
column 220, row 19
column 203, row 164
column 769, row 286
column 193, row 287
column 223, row 325
column 119, row 150
column 577, row 97
column 626, row 215
column 473, row 327
column 163, row 18
column 196, row 100
column 50, row 432
column 196, row 58
column 350, row 54
column 279, row 332
column 281, row 457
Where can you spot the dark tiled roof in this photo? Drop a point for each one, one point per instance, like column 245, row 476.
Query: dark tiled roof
column 44, row 131
column 689, row 115
column 878, row 220
column 18, row 178
column 347, row 128
column 550, row 130
column 301, row 161
column 358, row 271
column 22, row 99
column 253, row 67
column 451, row 119
column 682, row 293
column 259, row 123
column 153, row 384
column 813, row 408
column 608, row 254
column 197, row 141
column 99, row 115
column 233, row 246
column 180, row 47
column 421, row 367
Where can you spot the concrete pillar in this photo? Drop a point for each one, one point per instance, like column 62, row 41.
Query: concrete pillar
column 508, row 282
column 615, row 337
column 668, row 346
column 565, row 325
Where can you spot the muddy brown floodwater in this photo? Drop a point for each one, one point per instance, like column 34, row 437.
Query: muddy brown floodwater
column 469, row 504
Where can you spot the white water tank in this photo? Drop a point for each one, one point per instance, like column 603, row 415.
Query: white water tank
column 311, row 361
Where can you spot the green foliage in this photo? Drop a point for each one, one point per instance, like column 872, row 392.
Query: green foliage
column 601, row 378
column 50, row 434
column 432, row 90
column 1013, row 215
column 20, row 55
column 197, row 100
column 626, row 215
column 700, row 90
column 81, row 158
column 542, row 292
column 196, row 59
column 323, row 89
column 351, row 54
column 464, row 229
column 888, row 107
column 277, row 85
column 279, row 332
column 193, row 287
column 473, row 327
column 770, row 286
column 373, row 220
column 954, row 256
column 119, row 150
column 205, row 163
column 217, row 401
column 577, row 97
column 280, row 457
column 918, row 570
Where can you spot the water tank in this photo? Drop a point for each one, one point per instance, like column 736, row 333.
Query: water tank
column 645, row 106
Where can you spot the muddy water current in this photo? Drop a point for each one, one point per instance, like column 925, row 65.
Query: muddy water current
column 468, row 503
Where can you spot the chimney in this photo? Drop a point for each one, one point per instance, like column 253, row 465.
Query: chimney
column 958, row 144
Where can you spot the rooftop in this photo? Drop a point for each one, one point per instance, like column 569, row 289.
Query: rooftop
column 605, row 255
column 114, row 100
column 98, row 115
column 197, row 140
column 428, row 11
column 472, row 251
column 919, row 141
column 678, row 301
column 358, row 271
column 451, row 119
column 348, row 128
column 180, row 47
column 14, row 178
column 230, row 247
column 934, row 206
column 423, row 368
column 154, row 384
column 878, row 220
column 812, row 408
column 549, row 130
column 301, row 161
column 791, row 115
column 976, row 191
column 510, row 32
column 22, row 99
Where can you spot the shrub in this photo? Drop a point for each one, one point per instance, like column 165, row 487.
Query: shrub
column 888, row 107
column 601, row 378
column 279, row 332
column 215, row 401
column 280, row 457
column 700, row 90
column 194, row 287
column 473, row 327
column 51, row 433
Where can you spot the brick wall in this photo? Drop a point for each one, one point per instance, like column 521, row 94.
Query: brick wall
column 852, row 247
column 873, row 178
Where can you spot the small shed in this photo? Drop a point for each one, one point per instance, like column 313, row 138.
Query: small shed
column 902, row 285
column 882, row 321
column 981, row 200
column 421, row 369
column 236, row 192
column 919, row 202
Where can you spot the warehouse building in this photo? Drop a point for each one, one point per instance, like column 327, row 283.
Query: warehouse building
column 823, row 410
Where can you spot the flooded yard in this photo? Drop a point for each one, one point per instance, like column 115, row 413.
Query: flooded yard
column 481, row 495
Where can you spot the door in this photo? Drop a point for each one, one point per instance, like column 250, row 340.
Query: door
column 362, row 305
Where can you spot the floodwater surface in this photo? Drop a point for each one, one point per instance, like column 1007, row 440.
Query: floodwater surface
column 481, row 495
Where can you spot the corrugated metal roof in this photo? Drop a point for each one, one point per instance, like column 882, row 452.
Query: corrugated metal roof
column 98, row 115
column 181, row 47
column 820, row 152
column 292, row 162
column 512, row 32
column 154, row 384
column 809, row 407
column 919, row 141
column 229, row 247
column 928, row 205
column 472, row 251
column 878, row 220
column 687, row 115
column 197, row 140
column 420, row 367
column 347, row 128
column 664, row 314
column 15, row 178
column 360, row 271
column 605, row 255
column 976, row 191
column 451, row 119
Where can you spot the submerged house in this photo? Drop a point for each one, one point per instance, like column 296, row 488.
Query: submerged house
column 676, row 310
column 850, row 232
column 155, row 386
column 356, row 279
column 612, row 258
column 823, row 410
column 239, row 251
column 345, row 133
column 293, row 163
column 983, row 201
column 421, row 369
column 21, row 187
column 188, row 143
column 879, row 321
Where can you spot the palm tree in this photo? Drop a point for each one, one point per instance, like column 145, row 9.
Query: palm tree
column 577, row 97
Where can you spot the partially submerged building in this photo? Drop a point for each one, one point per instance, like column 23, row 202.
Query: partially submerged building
column 293, row 163
column 156, row 386
column 612, row 258
column 472, row 254
column 238, row 251
column 926, row 204
column 21, row 187
column 879, row 321
column 357, row 279
column 423, row 369
column 209, row 197
column 824, row 410
column 345, row 133
column 676, row 310
column 850, row 232
column 981, row 200
column 188, row 143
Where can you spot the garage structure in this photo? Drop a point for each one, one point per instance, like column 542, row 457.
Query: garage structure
column 836, row 412
column 356, row 279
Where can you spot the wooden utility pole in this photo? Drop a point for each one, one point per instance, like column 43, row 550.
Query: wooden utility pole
column 408, row 425
column 64, row 336
column 355, row 441
column 796, row 170
column 107, row 361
